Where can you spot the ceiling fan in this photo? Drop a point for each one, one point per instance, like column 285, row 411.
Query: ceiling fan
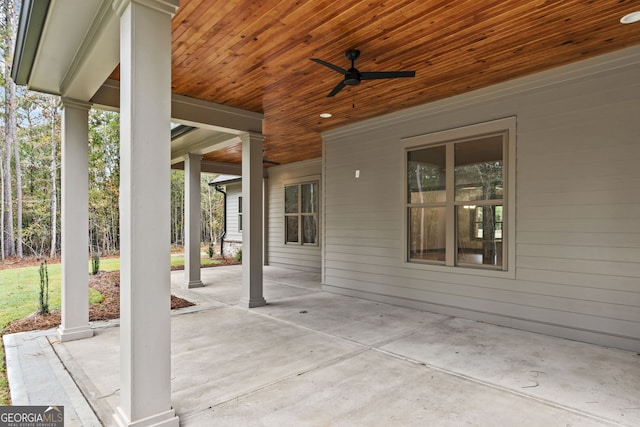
column 353, row 76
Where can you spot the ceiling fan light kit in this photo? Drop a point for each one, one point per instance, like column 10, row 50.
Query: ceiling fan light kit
column 353, row 77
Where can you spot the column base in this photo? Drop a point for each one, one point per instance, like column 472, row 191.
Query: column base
column 71, row 334
column 164, row 419
column 252, row 302
column 190, row 284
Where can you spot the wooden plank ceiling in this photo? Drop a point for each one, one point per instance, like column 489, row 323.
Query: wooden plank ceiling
column 255, row 55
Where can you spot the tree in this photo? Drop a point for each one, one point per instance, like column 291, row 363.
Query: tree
column 104, row 181
column 10, row 146
column 211, row 210
column 53, row 168
column 38, row 138
column 177, row 207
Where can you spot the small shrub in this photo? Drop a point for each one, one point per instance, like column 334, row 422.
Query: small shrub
column 95, row 297
column 95, row 263
column 238, row 255
column 210, row 250
column 44, row 289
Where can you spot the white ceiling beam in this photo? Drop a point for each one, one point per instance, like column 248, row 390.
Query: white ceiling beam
column 190, row 111
column 214, row 142
column 214, row 167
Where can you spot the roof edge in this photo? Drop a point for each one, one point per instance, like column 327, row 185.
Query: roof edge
column 33, row 14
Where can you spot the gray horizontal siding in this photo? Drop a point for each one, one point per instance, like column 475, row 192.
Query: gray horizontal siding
column 300, row 257
column 577, row 271
column 233, row 227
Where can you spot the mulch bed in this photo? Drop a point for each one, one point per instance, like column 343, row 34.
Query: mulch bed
column 105, row 282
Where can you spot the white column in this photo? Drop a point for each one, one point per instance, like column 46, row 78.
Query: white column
column 192, row 163
column 252, row 291
column 75, row 221
column 145, row 158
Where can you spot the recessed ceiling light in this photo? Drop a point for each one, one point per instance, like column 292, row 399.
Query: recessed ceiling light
column 630, row 18
column 325, row 115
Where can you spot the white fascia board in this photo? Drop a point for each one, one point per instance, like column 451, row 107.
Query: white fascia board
column 78, row 49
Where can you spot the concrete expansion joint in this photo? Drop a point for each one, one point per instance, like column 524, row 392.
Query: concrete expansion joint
column 318, row 366
column 376, row 345
column 306, row 328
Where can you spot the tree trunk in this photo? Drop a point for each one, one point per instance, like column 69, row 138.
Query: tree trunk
column 54, row 186
column 11, row 125
column 2, row 251
column 210, row 215
column 11, row 120
column 9, row 133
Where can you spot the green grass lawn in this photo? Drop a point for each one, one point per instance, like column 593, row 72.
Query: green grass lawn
column 20, row 287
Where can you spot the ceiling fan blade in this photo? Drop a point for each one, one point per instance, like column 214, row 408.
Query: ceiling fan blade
column 386, row 75
column 337, row 89
column 333, row 67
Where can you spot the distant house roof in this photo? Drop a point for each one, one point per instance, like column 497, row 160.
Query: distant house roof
column 225, row 179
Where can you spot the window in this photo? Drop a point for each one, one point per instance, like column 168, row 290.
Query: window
column 456, row 201
column 240, row 213
column 301, row 213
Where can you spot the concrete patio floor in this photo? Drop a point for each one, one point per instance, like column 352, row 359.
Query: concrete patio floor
column 316, row 359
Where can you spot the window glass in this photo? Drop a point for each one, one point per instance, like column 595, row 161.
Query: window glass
column 426, row 175
column 309, row 198
column 291, row 199
column 291, row 229
column 427, row 233
column 478, row 169
column 479, row 230
column 310, row 229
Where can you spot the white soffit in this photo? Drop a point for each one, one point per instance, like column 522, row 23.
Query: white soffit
column 78, row 49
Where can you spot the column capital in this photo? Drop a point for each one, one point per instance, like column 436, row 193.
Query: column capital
column 167, row 6
column 192, row 156
column 252, row 136
column 74, row 103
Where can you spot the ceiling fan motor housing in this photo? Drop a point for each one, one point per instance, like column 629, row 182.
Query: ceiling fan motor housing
column 352, row 78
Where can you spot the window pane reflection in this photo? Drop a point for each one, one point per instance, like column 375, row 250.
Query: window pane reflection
column 291, row 199
column 291, row 223
column 309, row 198
column 426, row 175
column 479, row 231
column 478, row 169
column 427, row 233
column 309, row 229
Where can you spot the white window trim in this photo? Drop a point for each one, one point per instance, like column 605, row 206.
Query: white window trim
column 508, row 126
column 240, row 214
column 297, row 181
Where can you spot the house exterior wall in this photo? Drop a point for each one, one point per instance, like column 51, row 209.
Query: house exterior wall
column 577, row 209
column 277, row 253
column 233, row 238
